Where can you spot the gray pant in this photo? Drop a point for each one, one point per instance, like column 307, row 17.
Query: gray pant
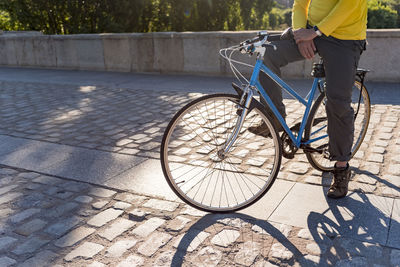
column 340, row 60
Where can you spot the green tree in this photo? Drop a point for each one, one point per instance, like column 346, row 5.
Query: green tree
column 5, row 23
column 381, row 15
column 96, row 16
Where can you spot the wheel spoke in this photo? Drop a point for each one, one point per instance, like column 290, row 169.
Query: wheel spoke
column 199, row 174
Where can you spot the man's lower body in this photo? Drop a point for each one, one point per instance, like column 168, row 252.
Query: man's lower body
column 340, row 61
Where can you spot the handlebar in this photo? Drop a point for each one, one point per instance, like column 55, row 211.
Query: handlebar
column 263, row 39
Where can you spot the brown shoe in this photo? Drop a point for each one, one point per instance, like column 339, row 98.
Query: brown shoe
column 341, row 178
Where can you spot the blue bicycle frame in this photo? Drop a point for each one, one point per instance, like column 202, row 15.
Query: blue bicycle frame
column 307, row 101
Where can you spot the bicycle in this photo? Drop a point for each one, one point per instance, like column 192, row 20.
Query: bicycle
column 213, row 163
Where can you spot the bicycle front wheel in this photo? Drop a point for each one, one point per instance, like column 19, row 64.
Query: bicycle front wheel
column 196, row 171
column 317, row 127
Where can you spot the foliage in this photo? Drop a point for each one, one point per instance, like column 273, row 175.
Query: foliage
column 5, row 21
column 381, row 15
column 96, row 16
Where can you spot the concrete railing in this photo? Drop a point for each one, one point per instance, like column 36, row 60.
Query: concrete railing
column 171, row 52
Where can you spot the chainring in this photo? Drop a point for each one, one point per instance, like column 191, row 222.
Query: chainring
column 288, row 148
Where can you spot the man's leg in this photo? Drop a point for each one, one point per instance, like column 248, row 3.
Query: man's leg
column 286, row 52
column 340, row 61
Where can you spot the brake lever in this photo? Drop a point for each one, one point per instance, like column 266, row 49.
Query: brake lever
column 271, row 45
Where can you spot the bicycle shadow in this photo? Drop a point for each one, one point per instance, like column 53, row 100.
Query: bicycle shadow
column 358, row 228
column 236, row 239
column 352, row 231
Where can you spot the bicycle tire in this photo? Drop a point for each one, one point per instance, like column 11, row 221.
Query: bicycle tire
column 321, row 161
column 190, row 161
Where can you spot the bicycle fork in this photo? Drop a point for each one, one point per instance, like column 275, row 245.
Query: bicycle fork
column 244, row 103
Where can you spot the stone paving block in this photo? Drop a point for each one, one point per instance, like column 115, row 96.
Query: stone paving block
column 372, row 168
column 316, row 249
column 121, row 205
column 30, row 227
column 298, row 168
column 7, row 180
column 117, row 228
column 381, row 143
column 225, row 238
column 43, row 179
column 6, row 189
column 31, row 245
column 102, row 192
column 208, row 256
column 87, row 250
column 58, row 211
column 192, row 212
column 9, row 197
column 120, row 247
column 19, row 217
column 74, row 236
column 248, row 253
column 161, row 205
column 42, row 258
column 190, row 241
column 394, row 180
column 132, row 260
column 363, row 178
column 148, row 227
column 138, row 215
column 280, row 252
column 165, row 259
column 4, row 213
column 395, row 169
column 98, row 205
column 6, row 261
column 375, row 158
column 178, row 223
column 104, row 217
column 63, row 226
column 154, row 243
column 83, row 199
column 6, row 242
column 96, row 264
column 29, row 175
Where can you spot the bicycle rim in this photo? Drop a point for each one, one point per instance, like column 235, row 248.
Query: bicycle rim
column 317, row 127
column 189, row 155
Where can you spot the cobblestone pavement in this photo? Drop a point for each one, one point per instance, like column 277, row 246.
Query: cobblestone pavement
column 51, row 221
column 132, row 122
column 47, row 221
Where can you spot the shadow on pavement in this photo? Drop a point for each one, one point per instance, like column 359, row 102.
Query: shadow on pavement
column 238, row 240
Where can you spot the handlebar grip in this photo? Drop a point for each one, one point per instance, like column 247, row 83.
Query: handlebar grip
column 274, row 37
column 286, row 35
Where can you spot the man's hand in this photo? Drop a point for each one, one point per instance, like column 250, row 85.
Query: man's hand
column 301, row 35
column 307, row 49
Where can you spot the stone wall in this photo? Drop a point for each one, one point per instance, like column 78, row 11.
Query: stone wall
column 171, row 52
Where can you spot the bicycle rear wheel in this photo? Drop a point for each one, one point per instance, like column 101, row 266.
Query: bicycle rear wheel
column 317, row 127
column 195, row 171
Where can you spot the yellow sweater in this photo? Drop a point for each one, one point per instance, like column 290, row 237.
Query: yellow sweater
column 343, row 19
